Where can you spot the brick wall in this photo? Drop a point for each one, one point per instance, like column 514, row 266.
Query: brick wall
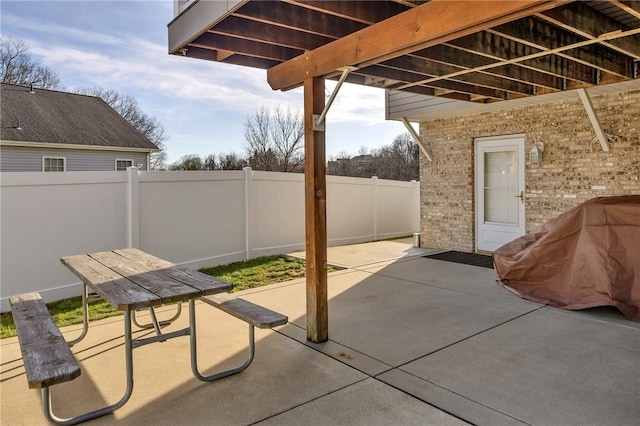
column 574, row 169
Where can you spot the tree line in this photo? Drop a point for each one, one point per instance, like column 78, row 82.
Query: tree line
column 274, row 141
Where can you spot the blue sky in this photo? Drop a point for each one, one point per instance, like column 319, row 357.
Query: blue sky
column 122, row 45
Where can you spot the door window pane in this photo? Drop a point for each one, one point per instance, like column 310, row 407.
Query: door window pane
column 500, row 187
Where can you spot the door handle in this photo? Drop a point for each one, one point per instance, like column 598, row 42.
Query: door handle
column 521, row 196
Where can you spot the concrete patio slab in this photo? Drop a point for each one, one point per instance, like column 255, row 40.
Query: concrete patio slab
column 353, row 255
column 396, row 321
column 393, row 320
column 412, row 341
column 446, row 400
column 453, row 276
column 365, row 403
column 284, row 375
column 358, row 360
column 546, row 367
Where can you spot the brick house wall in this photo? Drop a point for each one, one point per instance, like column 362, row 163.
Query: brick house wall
column 574, row 169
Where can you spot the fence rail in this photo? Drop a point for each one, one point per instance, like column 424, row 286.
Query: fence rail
column 196, row 219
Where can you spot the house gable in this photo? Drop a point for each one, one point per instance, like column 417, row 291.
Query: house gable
column 39, row 116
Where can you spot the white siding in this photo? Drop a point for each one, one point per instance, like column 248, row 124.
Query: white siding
column 21, row 159
column 404, row 104
column 426, row 108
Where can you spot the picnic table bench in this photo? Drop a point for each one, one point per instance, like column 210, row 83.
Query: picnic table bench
column 254, row 315
column 128, row 279
column 46, row 355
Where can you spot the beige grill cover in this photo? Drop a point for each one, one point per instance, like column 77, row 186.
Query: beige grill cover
column 586, row 257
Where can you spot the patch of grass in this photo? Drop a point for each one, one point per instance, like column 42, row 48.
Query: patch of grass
column 259, row 272
column 64, row 312
column 69, row 311
column 244, row 275
column 7, row 329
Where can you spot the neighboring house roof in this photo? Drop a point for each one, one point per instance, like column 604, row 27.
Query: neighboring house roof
column 38, row 116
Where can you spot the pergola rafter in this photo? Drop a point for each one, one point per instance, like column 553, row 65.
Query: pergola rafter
column 399, row 35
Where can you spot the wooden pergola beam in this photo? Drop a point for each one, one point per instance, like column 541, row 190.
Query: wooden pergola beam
column 296, row 17
column 244, row 47
column 401, row 34
column 541, row 35
column 463, row 58
column 354, row 10
column 585, row 21
column 425, row 66
column 271, row 34
column 501, row 49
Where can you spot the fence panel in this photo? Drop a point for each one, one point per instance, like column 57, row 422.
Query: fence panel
column 197, row 219
column 395, row 208
column 350, row 210
column 276, row 213
column 45, row 217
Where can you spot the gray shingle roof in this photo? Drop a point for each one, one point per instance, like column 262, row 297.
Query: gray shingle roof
column 48, row 116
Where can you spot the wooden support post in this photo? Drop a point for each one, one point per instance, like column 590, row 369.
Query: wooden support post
column 315, row 213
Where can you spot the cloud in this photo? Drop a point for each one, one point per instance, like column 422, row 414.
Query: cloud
column 355, row 103
column 34, row 24
column 131, row 64
column 142, row 65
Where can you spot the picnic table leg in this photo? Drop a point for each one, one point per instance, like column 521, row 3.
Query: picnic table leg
column 128, row 343
column 85, row 317
column 161, row 323
column 194, row 350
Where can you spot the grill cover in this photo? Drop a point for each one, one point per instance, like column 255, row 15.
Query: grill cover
column 586, row 257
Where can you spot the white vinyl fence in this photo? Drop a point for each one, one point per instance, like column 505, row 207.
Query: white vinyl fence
column 197, row 219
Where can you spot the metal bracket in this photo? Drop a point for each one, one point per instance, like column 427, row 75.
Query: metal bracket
column 415, row 137
column 588, row 106
column 319, row 120
column 317, row 125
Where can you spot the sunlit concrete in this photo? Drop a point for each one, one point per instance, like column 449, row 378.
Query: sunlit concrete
column 412, row 341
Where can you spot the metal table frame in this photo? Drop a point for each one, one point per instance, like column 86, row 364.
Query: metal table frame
column 131, row 344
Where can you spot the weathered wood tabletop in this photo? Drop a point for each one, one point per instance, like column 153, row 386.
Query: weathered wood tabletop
column 131, row 279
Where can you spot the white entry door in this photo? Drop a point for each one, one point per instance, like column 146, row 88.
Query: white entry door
column 499, row 191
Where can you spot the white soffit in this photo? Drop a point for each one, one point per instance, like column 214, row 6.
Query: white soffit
column 197, row 18
column 455, row 108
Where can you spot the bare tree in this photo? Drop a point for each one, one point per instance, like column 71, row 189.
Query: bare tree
column 20, row 68
column 340, row 165
column 210, row 162
column 231, row 161
column 188, row 162
column 274, row 140
column 287, row 134
column 130, row 110
column 397, row 161
column 257, row 141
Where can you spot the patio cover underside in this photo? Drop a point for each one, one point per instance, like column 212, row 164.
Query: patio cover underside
column 478, row 52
